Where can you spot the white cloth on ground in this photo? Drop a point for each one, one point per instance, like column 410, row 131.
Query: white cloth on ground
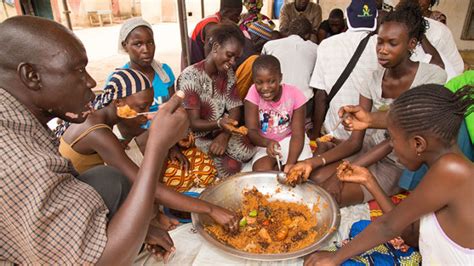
column 437, row 248
column 297, row 59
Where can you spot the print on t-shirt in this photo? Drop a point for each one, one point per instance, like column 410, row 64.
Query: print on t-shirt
column 274, row 121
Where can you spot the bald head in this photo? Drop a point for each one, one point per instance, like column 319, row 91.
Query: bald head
column 34, row 40
column 44, row 67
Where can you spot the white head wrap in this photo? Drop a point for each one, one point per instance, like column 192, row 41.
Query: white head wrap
column 128, row 26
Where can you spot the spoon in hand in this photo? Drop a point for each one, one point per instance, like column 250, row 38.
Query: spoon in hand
column 281, row 176
column 133, row 115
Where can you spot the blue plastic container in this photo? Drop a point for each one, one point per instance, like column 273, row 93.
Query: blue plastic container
column 277, row 5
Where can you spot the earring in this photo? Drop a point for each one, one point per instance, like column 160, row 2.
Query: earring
column 418, row 154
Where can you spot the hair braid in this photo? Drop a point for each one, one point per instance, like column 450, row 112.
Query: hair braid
column 433, row 108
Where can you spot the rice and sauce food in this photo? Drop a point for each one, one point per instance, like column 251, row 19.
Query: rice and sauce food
column 270, row 226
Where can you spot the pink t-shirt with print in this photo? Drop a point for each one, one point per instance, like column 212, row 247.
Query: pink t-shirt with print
column 275, row 117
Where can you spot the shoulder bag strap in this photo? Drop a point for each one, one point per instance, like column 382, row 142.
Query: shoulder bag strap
column 350, row 66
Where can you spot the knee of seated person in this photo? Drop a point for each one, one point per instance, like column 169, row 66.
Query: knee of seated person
column 118, row 181
column 263, row 164
column 110, row 183
column 320, row 175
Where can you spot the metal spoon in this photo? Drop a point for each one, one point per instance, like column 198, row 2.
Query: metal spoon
column 344, row 116
column 137, row 114
column 281, row 176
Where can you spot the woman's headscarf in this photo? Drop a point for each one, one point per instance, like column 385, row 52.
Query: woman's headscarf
column 127, row 27
column 122, row 83
column 254, row 7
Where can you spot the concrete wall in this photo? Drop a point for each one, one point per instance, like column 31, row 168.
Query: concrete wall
column 79, row 9
column 6, row 11
column 456, row 13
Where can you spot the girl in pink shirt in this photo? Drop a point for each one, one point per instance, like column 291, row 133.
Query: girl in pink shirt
column 274, row 115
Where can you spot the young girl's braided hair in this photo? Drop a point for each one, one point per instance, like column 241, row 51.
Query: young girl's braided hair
column 432, row 108
column 410, row 14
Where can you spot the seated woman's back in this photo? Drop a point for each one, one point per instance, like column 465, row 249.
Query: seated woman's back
column 440, row 234
column 93, row 143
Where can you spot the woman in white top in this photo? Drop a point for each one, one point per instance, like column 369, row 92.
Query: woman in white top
column 423, row 124
column 399, row 34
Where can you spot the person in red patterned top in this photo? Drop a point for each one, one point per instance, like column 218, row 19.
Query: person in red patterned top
column 213, row 103
column 48, row 213
column 230, row 10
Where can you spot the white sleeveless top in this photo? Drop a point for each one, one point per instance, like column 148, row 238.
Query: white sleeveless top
column 437, row 248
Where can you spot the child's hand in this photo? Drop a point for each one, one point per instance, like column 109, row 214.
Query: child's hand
column 219, row 144
column 325, row 258
column 159, row 243
column 298, row 173
column 228, row 124
column 225, row 218
column 273, row 149
column 354, row 117
column 287, row 167
column 347, row 172
column 177, row 156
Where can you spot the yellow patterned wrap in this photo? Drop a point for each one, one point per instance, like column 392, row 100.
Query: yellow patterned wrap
column 202, row 171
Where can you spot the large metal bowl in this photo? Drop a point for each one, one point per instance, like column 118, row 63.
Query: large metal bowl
column 228, row 194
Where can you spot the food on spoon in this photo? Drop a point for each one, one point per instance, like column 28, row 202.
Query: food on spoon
column 126, row 112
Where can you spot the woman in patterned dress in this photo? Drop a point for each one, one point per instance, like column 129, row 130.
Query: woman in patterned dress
column 213, row 103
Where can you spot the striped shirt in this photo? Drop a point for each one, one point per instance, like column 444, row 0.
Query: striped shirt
column 47, row 216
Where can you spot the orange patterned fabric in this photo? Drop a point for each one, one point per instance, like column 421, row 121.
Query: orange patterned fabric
column 376, row 211
column 202, row 171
